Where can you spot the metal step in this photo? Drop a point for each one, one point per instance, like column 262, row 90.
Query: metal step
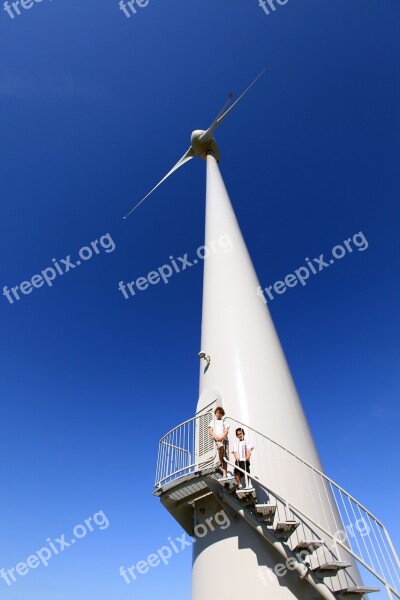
column 308, row 546
column 247, row 496
column 329, row 569
column 358, row 591
column 284, row 529
column 228, row 483
column 265, row 512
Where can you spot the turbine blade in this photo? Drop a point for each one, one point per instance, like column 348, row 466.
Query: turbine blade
column 208, row 135
column 215, row 122
column 187, row 156
column 225, row 114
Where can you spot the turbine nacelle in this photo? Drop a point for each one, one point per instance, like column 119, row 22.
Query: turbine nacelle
column 200, row 144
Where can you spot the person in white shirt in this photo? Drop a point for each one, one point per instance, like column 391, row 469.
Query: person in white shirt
column 219, row 429
column 242, row 453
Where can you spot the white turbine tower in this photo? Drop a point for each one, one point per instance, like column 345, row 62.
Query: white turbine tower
column 293, row 532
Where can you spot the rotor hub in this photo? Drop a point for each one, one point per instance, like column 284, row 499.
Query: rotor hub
column 201, row 148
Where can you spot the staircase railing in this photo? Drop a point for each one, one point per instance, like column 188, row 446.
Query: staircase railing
column 311, row 529
column 357, row 530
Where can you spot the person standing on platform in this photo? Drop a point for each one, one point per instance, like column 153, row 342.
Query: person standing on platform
column 219, row 429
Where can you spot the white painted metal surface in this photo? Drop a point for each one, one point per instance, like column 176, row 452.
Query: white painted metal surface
column 248, row 367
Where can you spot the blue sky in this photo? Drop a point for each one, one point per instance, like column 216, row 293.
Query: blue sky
column 95, row 108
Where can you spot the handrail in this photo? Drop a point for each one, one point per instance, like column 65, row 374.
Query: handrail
column 295, row 509
column 332, row 483
column 314, row 469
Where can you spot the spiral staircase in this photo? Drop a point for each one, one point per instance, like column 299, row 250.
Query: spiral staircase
column 319, row 547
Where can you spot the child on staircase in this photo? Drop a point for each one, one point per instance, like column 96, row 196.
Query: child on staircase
column 242, row 453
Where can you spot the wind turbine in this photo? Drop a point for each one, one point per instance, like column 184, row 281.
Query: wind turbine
column 202, row 141
column 282, row 541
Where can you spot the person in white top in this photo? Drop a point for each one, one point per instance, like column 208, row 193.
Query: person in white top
column 219, row 429
column 242, row 453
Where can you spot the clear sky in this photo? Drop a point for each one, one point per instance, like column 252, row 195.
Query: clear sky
column 95, row 108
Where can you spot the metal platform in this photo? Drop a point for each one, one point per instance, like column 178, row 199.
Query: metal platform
column 179, row 496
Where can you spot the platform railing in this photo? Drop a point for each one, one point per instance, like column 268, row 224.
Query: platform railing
column 177, row 452
column 184, row 450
